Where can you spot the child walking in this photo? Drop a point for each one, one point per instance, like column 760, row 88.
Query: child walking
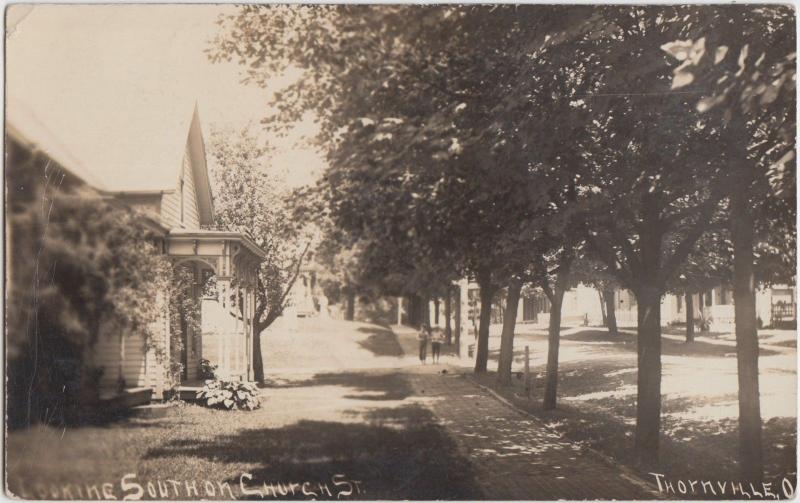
column 436, row 344
column 422, row 337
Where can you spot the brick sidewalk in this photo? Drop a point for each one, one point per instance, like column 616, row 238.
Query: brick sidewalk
column 516, row 456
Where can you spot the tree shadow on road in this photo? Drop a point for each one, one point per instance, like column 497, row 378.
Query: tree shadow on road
column 381, row 342
column 373, row 385
column 669, row 347
column 396, row 453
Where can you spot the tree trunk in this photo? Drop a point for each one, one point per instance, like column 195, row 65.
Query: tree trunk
column 648, row 400
column 486, row 293
column 603, row 310
column 436, row 311
column 742, row 235
column 258, row 361
column 611, row 311
column 259, row 325
column 413, row 310
column 689, row 317
column 448, row 302
column 351, row 306
column 553, row 340
column 507, row 338
column 457, row 314
column 399, row 311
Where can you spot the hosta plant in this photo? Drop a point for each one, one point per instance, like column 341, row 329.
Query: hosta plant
column 229, row 395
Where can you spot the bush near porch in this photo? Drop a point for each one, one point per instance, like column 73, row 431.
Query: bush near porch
column 229, row 395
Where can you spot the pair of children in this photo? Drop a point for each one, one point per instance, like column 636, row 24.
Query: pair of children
column 436, row 336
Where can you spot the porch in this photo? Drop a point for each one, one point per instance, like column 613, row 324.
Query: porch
column 224, row 268
column 221, row 268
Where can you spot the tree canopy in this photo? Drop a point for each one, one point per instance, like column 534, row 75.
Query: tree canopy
column 509, row 141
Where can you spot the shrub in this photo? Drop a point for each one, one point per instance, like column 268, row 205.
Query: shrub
column 83, row 268
column 207, row 370
column 229, row 395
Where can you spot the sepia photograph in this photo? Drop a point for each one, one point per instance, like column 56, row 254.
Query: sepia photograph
column 404, row 251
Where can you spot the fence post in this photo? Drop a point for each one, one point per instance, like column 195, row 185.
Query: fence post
column 527, row 372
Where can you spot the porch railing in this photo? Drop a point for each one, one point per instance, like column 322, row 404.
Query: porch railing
column 782, row 311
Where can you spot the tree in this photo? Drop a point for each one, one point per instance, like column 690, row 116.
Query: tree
column 338, row 272
column 745, row 60
column 643, row 225
column 590, row 271
column 375, row 262
column 423, row 70
column 709, row 265
column 448, row 300
column 457, row 315
column 548, row 248
column 552, row 272
column 476, row 95
column 643, row 222
column 82, row 267
column 506, row 356
column 248, row 199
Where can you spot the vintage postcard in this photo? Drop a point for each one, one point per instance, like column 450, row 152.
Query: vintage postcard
column 400, row 252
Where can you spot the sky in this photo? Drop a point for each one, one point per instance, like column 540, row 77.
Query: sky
column 117, row 84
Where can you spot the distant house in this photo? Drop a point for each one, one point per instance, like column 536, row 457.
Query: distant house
column 775, row 306
column 304, row 296
column 172, row 193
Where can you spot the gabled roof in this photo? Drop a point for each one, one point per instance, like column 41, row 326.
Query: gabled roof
column 145, row 155
column 197, row 152
column 23, row 126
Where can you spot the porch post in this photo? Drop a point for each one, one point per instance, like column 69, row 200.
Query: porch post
column 246, row 322
column 250, row 306
column 223, row 287
column 233, row 338
column 240, row 334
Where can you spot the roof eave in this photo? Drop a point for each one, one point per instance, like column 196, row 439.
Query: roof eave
column 200, row 234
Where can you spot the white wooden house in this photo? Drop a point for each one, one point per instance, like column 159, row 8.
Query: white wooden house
column 172, row 192
column 775, row 306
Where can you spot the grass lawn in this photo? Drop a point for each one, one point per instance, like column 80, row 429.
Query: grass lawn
column 597, row 403
column 59, row 463
column 327, row 436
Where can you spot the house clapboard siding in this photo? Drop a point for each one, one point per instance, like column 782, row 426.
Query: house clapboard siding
column 171, row 201
column 108, row 355
column 141, row 366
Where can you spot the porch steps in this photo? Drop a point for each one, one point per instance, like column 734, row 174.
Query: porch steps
column 154, row 411
column 127, row 398
column 189, row 393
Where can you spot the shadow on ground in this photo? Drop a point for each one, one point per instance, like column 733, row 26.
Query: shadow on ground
column 669, row 347
column 372, row 386
column 690, row 448
column 394, row 453
column 381, row 342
